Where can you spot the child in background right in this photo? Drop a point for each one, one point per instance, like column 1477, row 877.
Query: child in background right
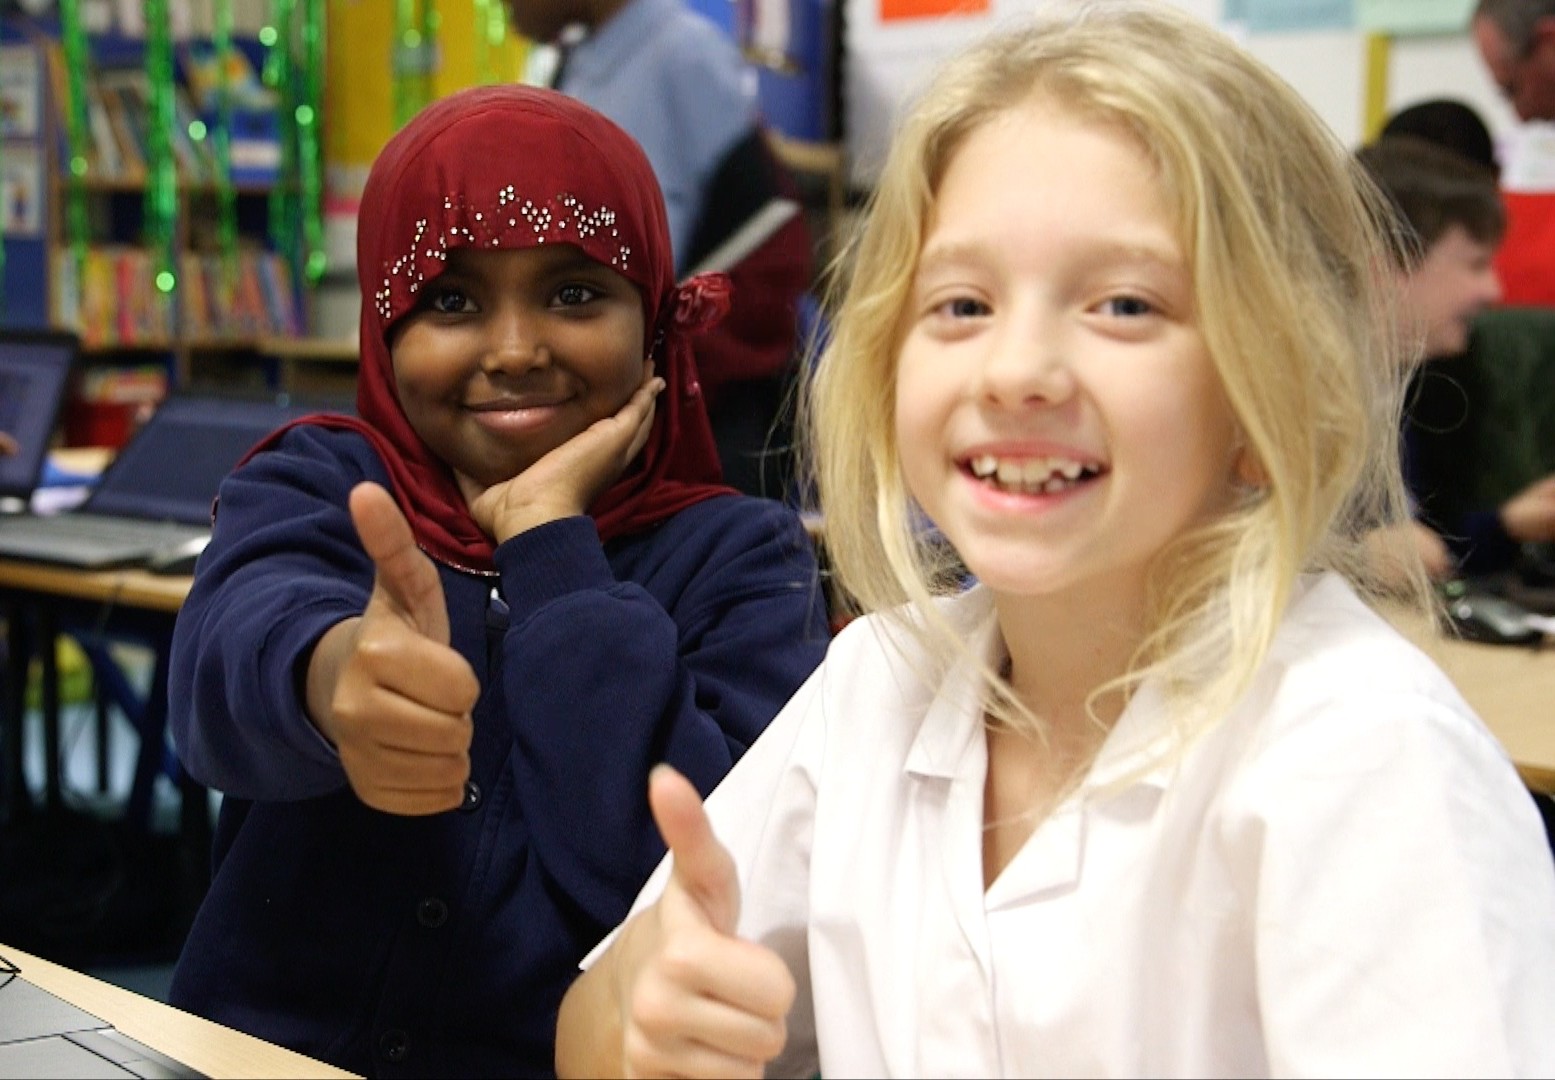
column 1160, row 794
column 1452, row 221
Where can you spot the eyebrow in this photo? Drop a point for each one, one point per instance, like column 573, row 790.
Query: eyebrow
column 1102, row 250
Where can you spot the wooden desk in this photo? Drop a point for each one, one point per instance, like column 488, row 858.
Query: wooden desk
column 209, row 1047
column 1512, row 688
column 132, row 588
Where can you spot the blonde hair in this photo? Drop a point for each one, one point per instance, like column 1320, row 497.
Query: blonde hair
column 1287, row 245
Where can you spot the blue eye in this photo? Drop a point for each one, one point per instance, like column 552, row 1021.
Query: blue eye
column 1127, row 306
column 964, row 307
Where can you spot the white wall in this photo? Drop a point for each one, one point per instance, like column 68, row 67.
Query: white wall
column 886, row 64
column 1329, row 69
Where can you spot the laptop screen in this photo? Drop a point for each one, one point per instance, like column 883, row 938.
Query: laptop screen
column 34, row 370
column 171, row 468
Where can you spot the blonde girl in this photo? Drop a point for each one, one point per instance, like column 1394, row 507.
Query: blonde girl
column 1159, row 793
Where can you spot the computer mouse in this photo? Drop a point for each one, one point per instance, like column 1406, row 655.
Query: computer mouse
column 1493, row 620
column 179, row 558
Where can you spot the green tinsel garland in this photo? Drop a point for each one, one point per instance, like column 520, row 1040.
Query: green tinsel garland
column 77, row 135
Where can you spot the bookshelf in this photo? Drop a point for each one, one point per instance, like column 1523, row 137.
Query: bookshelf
column 227, row 297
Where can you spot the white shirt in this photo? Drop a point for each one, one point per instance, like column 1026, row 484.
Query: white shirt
column 1345, row 877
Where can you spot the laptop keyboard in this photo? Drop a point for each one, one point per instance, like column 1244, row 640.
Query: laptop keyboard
column 90, row 540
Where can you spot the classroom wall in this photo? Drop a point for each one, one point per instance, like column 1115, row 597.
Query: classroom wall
column 1329, row 69
column 887, row 60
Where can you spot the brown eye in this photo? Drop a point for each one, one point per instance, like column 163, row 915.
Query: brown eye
column 573, row 295
column 448, row 301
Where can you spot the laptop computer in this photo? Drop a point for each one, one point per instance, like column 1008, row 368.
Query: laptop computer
column 42, row 1035
column 35, row 369
column 152, row 505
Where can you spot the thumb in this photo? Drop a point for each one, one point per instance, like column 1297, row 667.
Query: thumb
column 407, row 580
column 703, row 867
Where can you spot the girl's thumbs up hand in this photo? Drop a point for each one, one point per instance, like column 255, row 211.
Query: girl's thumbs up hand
column 695, row 999
column 385, row 687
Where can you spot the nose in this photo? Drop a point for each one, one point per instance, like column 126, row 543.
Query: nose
column 1492, row 286
column 1027, row 362
column 515, row 342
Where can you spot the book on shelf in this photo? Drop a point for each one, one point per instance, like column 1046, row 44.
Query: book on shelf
column 195, row 161
column 253, row 138
column 280, row 299
column 122, row 385
column 249, row 297
column 201, row 68
column 118, row 115
column 106, row 159
column 127, row 115
column 194, row 305
column 115, row 301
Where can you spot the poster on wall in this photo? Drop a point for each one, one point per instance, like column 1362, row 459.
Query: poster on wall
column 1401, row 17
column 1269, row 16
column 900, row 10
column 20, row 89
column 21, row 190
column 1211, row 11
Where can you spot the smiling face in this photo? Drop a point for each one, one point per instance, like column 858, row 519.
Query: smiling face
column 509, row 354
column 1454, row 282
column 1057, row 412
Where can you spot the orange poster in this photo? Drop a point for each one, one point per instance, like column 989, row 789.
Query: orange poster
column 897, row 10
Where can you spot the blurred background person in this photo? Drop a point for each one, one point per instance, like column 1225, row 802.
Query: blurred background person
column 682, row 89
column 1452, row 222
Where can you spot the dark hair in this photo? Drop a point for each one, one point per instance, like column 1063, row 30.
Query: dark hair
column 1432, row 190
column 1516, row 19
column 1449, row 124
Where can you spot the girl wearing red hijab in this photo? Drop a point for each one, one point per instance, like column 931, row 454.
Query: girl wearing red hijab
column 433, row 651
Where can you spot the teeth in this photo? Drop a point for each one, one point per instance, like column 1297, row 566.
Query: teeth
column 1043, row 474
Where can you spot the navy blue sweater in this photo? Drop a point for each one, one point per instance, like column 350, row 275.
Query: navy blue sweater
column 442, row 945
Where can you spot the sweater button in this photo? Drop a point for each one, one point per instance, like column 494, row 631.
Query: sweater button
column 472, row 795
column 431, row 913
column 394, row 1045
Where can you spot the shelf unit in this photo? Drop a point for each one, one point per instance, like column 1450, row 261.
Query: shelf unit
column 208, row 329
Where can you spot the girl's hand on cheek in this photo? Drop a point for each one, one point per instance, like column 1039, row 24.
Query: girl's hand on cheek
column 566, row 481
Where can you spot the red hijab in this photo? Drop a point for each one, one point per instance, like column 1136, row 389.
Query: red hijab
column 514, row 167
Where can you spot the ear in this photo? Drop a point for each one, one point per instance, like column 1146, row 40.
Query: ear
column 1248, row 470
